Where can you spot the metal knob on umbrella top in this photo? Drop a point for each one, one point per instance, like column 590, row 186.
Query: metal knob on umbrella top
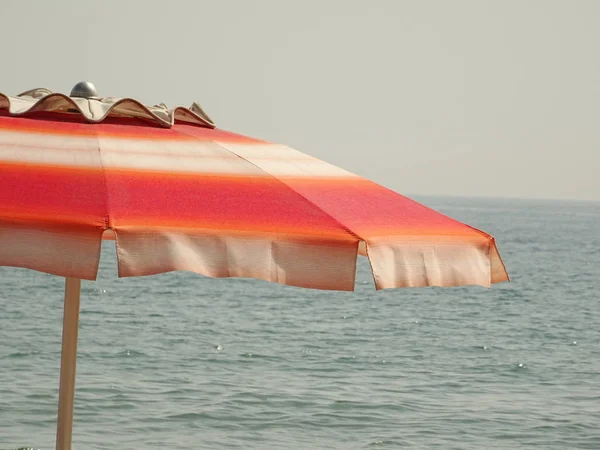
column 84, row 89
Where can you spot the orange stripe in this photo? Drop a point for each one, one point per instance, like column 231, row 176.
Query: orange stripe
column 289, row 234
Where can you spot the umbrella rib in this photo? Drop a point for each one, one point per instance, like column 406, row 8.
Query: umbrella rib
column 106, row 218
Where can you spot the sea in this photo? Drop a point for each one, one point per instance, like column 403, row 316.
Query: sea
column 180, row 361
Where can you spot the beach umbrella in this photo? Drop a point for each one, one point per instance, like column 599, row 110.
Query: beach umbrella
column 177, row 193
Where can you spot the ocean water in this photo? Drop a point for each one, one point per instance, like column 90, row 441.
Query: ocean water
column 180, row 361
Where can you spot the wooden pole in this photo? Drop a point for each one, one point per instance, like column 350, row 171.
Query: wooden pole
column 68, row 363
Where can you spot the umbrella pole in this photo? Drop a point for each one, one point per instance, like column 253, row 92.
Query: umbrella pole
column 67, row 365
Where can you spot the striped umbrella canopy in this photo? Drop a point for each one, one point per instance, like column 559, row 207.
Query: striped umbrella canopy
column 177, row 193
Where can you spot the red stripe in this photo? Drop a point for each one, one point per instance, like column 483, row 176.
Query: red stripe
column 45, row 193
column 371, row 209
column 250, row 204
column 258, row 204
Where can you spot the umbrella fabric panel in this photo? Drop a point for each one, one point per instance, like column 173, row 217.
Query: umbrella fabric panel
column 408, row 244
column 52, row 198
column 190, row 204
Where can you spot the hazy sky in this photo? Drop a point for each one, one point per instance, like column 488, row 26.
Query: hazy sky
column 463, row 97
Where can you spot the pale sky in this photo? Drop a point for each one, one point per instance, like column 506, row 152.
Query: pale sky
column 463, row 97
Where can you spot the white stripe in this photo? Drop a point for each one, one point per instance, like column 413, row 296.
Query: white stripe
column 199, row 157
column 195, row 164
column 282, row 161
column 398, row 263
column 33, row 148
